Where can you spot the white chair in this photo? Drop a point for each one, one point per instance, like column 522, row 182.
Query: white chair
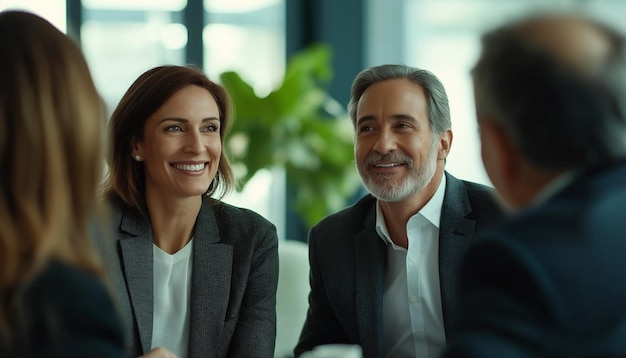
column 292, row 295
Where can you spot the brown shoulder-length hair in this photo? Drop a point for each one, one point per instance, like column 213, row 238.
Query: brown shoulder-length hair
column 126, row 177
column 52, row 124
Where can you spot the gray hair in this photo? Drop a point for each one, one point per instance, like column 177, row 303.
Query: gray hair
column 438, row 108
column 558, row 118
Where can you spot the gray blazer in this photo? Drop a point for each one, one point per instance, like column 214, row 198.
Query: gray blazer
column 347, row 259
column 233, row 282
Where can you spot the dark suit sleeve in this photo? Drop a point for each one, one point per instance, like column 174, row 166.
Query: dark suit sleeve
column 73, row 316
column 97, row 331
column 321, row 325
column 255, row 335
column 503, row 306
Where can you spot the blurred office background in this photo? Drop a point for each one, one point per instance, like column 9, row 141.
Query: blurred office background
column 255, row 38
column 123, row 38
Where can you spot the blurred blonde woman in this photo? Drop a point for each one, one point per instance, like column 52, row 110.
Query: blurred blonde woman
column 52, row 299
column 196, row 277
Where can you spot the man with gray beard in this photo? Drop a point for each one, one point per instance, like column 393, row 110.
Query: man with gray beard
column 383, row 271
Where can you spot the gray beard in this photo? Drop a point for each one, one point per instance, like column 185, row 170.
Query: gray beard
column 383, row 188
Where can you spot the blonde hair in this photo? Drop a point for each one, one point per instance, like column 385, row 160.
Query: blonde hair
column 52, row 121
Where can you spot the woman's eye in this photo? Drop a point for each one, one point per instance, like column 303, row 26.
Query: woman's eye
column 174, row 129
column 211, row 128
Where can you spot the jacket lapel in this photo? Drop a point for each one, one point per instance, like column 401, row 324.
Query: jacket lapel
column 210, row 284
column 370, row 256
column 454, row 237
column 137, row 262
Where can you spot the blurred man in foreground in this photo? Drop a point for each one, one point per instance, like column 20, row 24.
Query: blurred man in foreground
column 550, row 95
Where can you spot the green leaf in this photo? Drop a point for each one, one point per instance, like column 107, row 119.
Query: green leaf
column 293, row 127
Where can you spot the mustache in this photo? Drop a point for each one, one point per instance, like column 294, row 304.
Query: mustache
column 389, row 157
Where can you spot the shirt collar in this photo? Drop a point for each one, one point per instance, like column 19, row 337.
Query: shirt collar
column 431, row 211
column 554, row 187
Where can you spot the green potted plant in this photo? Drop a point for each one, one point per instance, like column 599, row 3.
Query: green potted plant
column 300, row 128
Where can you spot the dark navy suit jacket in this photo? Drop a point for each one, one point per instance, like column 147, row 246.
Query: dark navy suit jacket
column 551, row 281
column 65, row 313
column 347, row 259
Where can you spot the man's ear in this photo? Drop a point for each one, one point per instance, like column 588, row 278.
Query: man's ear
column 500, row 158
column 445, row 142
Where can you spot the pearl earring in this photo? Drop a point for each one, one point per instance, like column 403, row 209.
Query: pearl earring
column 138, row 158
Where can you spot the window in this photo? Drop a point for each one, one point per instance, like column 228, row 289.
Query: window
column 248, row 36
column 124, row 38
column 51, row 10
column 443, row 36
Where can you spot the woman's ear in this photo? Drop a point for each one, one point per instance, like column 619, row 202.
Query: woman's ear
column 135, row 148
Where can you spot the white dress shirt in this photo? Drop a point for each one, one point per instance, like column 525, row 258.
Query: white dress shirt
column 172, row 288
column 412, row 317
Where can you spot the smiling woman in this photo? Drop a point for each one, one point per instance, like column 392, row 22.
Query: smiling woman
column 177, row 246
column 181, row 146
